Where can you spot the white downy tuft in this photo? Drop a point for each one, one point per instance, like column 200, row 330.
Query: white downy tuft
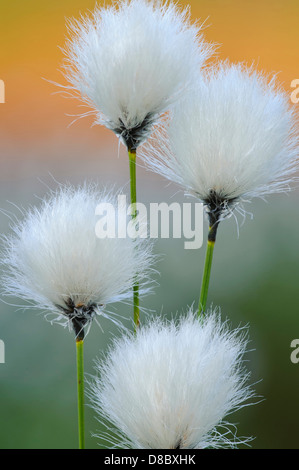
column 55, row 260
column 131, row 61
column 172, row 385
column 231, row 138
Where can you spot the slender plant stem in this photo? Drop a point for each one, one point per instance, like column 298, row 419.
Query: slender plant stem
column 208, row 265
column 132, row 161
column 80, row 385
column 206, row 277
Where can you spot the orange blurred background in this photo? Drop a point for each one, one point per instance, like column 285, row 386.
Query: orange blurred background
column 34, row 122
column 257, row 285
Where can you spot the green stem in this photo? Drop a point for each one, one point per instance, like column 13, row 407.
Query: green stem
column 80, row 385
column 132, row 161
column 214, row 222
column 206, row 278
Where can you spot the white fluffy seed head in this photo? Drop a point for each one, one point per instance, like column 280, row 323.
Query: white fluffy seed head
column 131, row 60
column 55, row 260
column 232, row 137
column 172, row 385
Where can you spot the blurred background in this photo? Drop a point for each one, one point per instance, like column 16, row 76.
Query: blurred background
column 255, row 277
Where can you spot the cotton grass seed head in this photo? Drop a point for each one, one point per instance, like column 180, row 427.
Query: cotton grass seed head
column 54, row 260
column 171, row 385
column 131, row 60
column 231, row 138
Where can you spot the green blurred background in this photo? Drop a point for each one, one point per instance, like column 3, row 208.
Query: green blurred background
column 255, row 282
column 255, row 275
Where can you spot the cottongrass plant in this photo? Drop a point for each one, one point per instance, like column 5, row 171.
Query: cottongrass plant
column 55, row 260
column 172, row 385
column 231, row 138
column 130, row 62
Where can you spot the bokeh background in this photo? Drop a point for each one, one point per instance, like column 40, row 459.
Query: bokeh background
column 255, row 276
